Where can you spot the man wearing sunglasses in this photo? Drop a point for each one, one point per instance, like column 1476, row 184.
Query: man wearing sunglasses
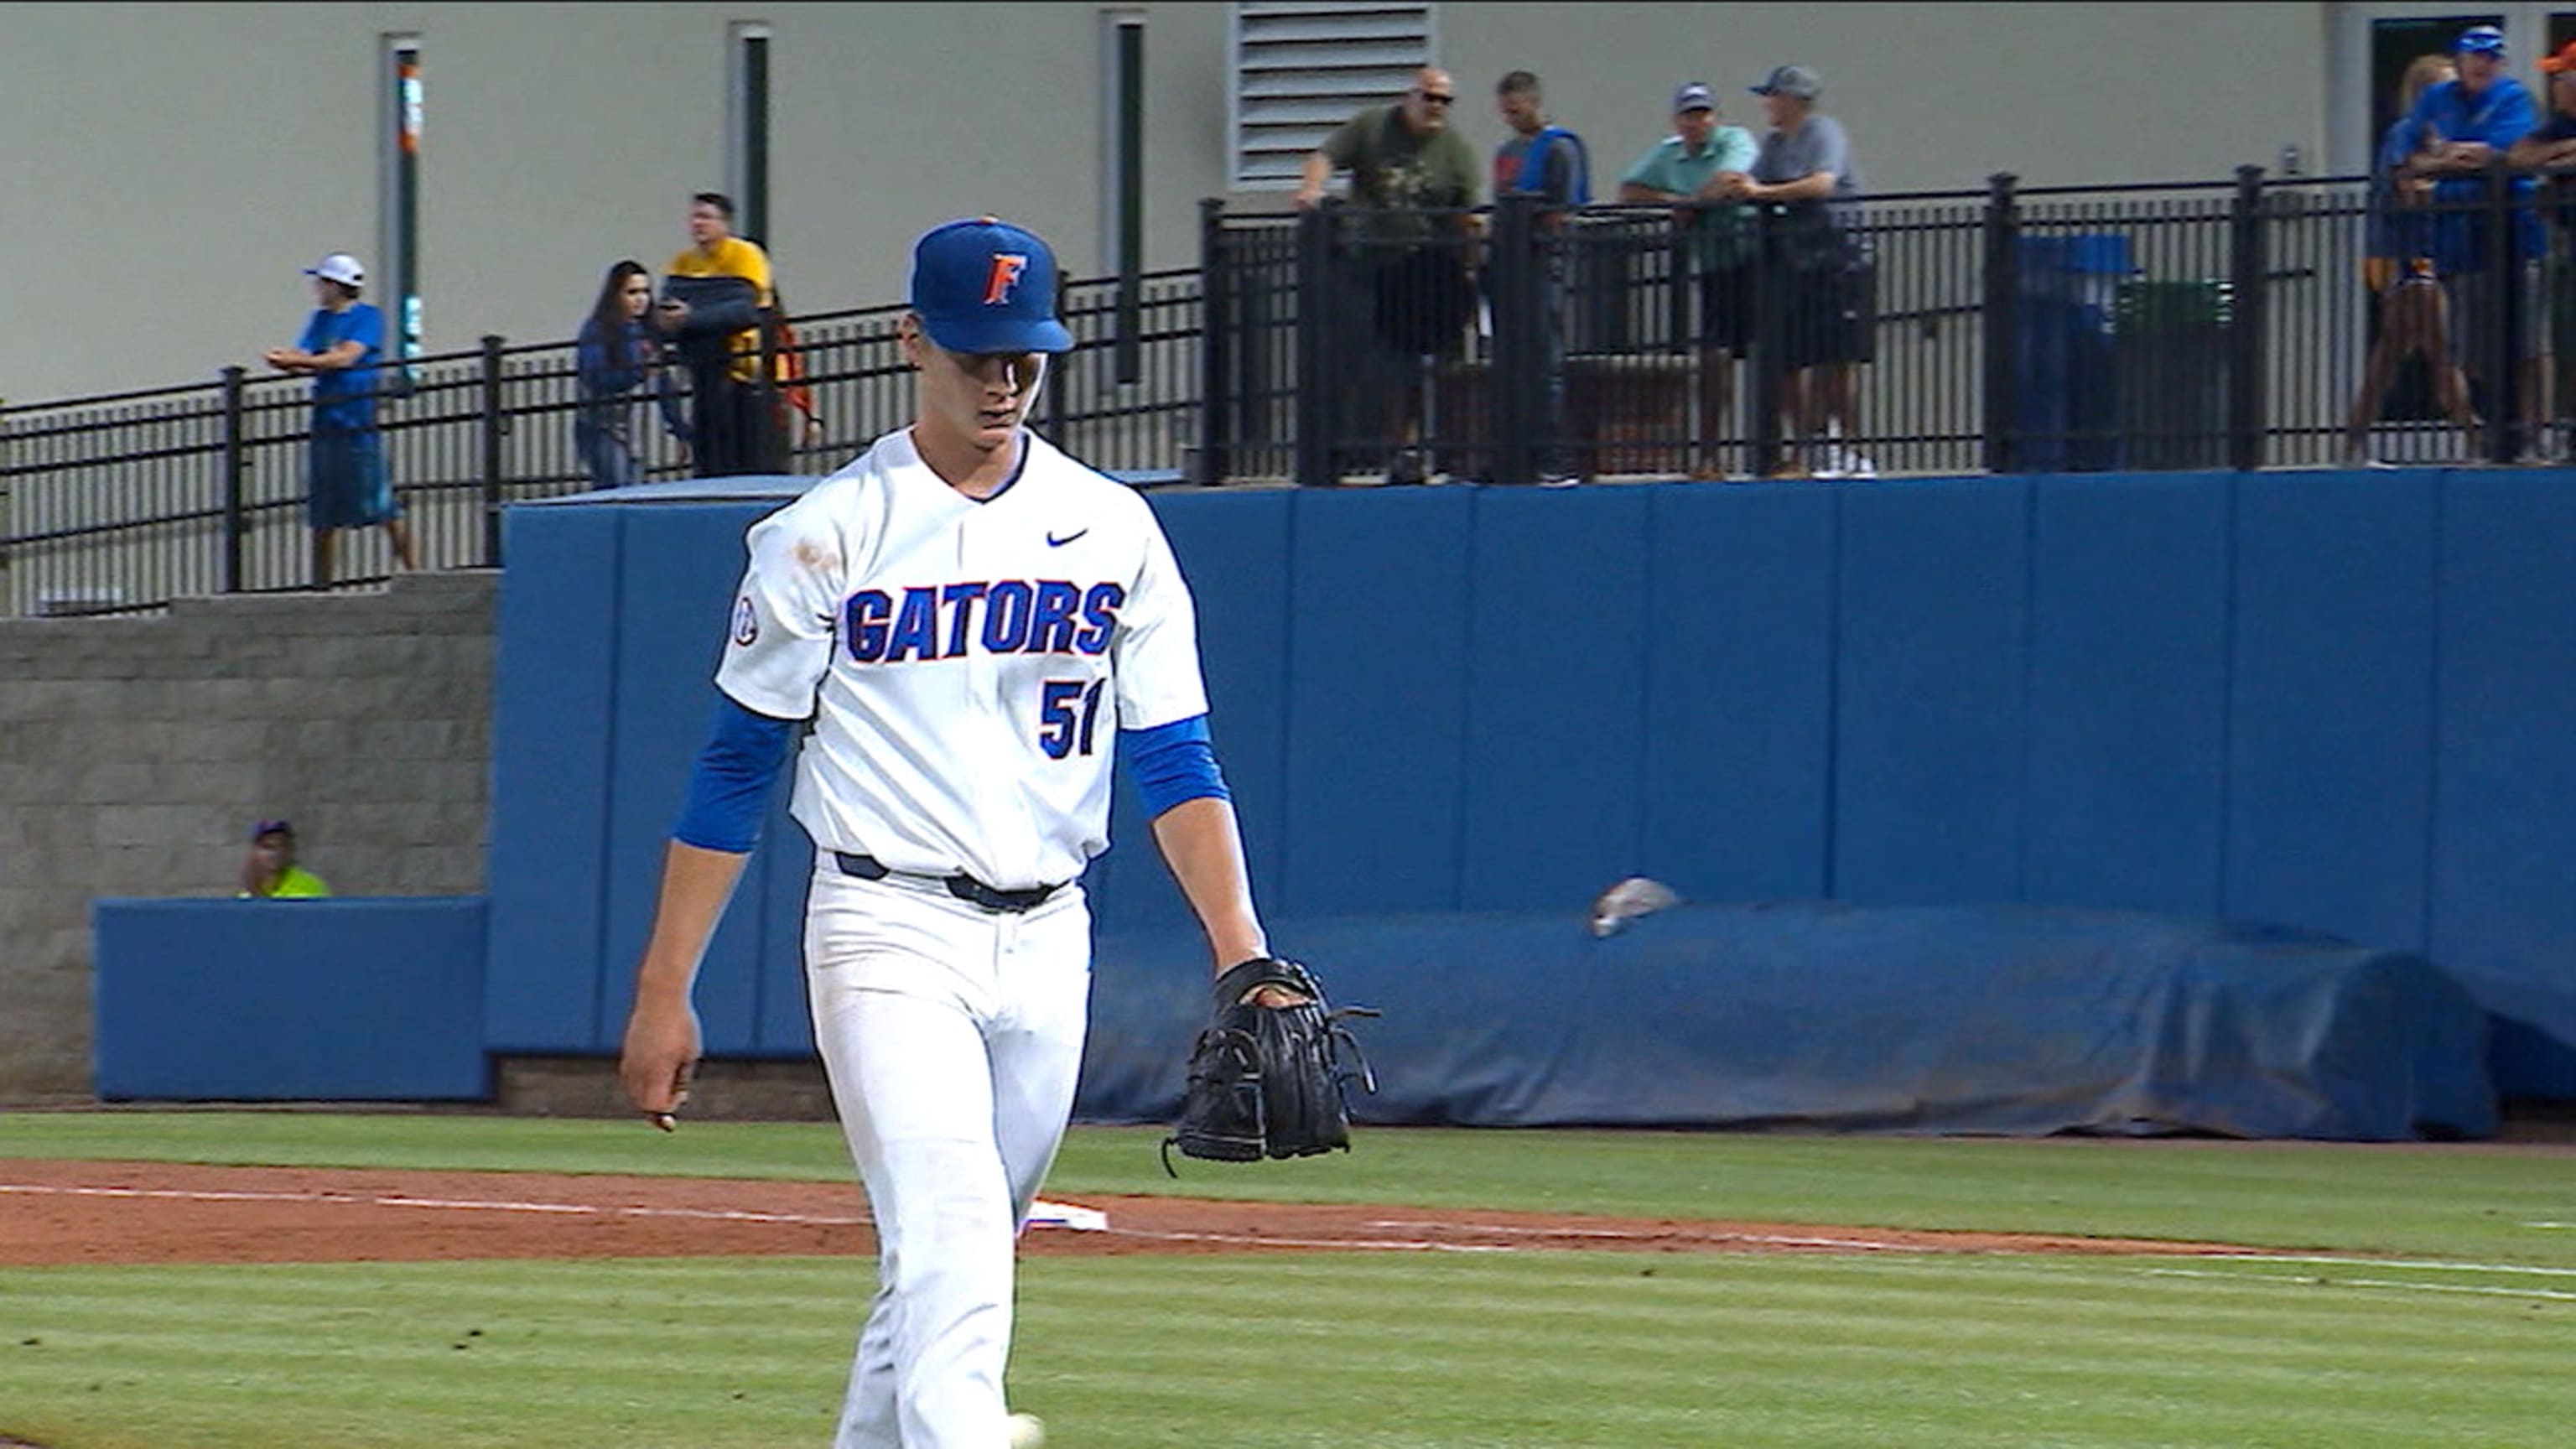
column 1413, row 178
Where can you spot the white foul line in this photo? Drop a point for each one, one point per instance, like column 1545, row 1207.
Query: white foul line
column 2437, row 1265
column 1257, row 1240
column 453, row 1204
column 2368, row 1282
column 1781, row 1240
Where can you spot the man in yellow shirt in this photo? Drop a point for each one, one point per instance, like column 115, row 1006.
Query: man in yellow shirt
column 270, row 873
column 716, row 294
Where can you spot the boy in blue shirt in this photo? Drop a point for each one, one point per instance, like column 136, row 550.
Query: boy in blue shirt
column 346, row 486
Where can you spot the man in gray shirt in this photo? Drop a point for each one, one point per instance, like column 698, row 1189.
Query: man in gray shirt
column 1827, row 289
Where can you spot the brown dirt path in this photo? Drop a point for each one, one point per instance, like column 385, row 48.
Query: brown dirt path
column 54, row 1212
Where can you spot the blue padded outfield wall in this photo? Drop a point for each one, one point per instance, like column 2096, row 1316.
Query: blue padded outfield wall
column 2019, row 1020
column 2339, row 702
column 349, row 999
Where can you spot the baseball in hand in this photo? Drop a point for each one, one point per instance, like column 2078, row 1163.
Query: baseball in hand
column 1028, row 1431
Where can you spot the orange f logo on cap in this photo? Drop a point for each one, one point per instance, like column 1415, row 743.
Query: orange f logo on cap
column 1007, row 267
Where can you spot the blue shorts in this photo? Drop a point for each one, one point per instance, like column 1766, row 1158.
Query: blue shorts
column 346, row 483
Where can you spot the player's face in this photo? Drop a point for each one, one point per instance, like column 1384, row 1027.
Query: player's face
column 707, row 226
column 1520, row 110
column 274, row 851
column 979, row 397
column 1695, row 126
column 637, row 294
column 2479, row 68
column 2562, row 92
column 1782, row 109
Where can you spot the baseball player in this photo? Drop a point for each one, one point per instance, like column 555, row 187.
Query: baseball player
column 971, row 621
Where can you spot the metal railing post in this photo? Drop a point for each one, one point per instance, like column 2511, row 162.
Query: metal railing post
column 1213, row 461
column 773, row 434
column 2502, row 324
column 1313, row 445
column 2245, row 323
column 1770, row 339
column 1516, row 385
column 2002, row 302
column 494, row 423
column 233, row 468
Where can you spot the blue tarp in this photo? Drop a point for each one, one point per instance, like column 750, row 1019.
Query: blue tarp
column 1824, row 1017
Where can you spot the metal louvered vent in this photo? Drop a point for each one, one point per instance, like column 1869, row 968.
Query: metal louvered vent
column 1302, row 69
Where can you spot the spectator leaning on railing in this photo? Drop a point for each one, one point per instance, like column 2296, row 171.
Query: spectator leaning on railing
column 715, row 294
column 1827, row 288
column 345, row 481
column 1694, row 168
column 2551, row 148
column 1403, row 159
column 2465, row 128
column 616, row 353
column 2397, row 266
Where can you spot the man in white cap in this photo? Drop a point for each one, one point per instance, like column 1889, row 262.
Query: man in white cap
column 345, row 482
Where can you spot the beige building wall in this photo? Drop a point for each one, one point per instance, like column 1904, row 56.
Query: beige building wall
column 173, row 167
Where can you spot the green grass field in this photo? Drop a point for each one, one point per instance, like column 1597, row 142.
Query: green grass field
column 2446, row 1316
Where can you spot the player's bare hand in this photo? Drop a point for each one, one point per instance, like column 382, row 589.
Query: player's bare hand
column 1309, row 200
column 659, row 1056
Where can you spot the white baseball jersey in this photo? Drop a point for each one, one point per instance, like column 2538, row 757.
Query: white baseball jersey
column 967, row 664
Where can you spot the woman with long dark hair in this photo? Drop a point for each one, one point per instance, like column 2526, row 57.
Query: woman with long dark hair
column 617, row 353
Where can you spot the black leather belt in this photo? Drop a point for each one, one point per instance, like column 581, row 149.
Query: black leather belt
column 964, row 887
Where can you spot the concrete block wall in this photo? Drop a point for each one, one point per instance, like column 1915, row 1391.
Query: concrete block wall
column 135, row 753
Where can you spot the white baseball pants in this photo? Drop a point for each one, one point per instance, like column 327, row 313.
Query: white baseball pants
column 952, row 1036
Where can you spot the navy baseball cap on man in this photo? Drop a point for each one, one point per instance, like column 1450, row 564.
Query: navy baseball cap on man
column 985, row 285
column 2485, row 39
column 1693, row 96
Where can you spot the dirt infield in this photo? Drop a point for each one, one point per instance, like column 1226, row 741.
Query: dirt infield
column 141, row 1212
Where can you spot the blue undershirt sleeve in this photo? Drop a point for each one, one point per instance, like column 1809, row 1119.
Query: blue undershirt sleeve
column 1172, row 763
column 729, row 785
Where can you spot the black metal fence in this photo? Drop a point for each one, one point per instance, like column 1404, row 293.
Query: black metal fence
column 2256, row 322
column 2214, row 325
column 120, row 503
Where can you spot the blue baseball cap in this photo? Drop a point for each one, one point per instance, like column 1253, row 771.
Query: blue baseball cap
column 2486, row 38
column 984, row 285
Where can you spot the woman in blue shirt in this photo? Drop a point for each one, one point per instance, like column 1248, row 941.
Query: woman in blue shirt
column 616, row 353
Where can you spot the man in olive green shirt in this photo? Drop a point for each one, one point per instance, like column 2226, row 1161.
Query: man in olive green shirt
column 1407, row 166
column 1692, row 169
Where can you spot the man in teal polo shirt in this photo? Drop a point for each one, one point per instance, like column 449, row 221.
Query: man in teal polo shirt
column 1691, row 169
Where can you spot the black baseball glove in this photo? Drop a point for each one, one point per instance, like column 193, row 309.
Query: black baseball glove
column 1269, row 1080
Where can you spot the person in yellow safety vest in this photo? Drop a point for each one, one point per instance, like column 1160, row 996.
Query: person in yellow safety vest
column 270, row 871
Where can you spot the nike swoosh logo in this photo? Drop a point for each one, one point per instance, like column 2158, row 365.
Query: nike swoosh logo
column 1055, row 542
